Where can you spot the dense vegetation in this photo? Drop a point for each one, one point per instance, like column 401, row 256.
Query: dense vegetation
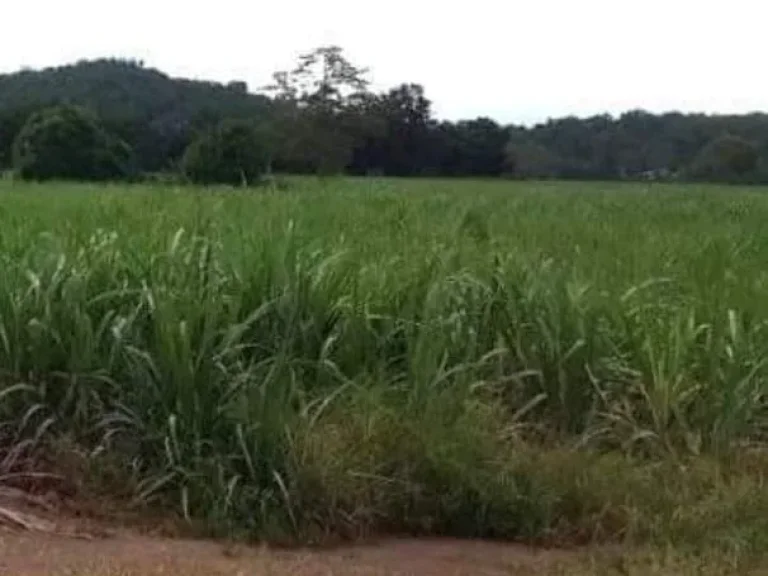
column 156, row 115
column 234, row 152
column 323, row 118
column 68, row 142
column 487, row 359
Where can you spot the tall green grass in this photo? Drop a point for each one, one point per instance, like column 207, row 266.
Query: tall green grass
column 473, row 358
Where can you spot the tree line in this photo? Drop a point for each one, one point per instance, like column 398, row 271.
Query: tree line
column 111, row 119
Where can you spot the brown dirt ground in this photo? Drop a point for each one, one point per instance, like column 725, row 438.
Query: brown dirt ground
column 43, row 537
column 28, row 554
column 37, row 539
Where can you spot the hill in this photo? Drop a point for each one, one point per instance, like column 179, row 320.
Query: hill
column 155, row 113
column 390, row 133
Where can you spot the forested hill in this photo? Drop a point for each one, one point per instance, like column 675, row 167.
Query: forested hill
column 335, row 123
column 154, row 113
column 638, row 143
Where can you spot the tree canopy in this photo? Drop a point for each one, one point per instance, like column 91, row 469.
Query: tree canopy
column 727, row 157
column 234, row 152
column 68, row 142
column 157, row 116
column 324, row 118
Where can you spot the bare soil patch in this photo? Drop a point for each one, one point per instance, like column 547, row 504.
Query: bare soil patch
column 36, row 554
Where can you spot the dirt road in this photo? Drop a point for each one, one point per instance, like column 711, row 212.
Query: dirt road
column 45, row 555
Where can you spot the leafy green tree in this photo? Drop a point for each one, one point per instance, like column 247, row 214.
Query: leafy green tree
column 326, row 119
column 234, row 152
column 69, row 143
column 474, row 148
column 724, row 158
column 155, row 114
column 528, row 159
column 315, row 110
column 12, row 120
column 408, row 116
column 323, row 78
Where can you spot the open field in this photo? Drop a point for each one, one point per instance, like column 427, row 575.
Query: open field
column 548, row 363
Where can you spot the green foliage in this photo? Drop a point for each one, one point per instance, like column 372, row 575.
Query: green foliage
column 325, row 118
column 155, row 114
column 315, row 105
column 725, row 158
column 234, row 153
column 424, row 357
column 525, row 159
column 68, row 143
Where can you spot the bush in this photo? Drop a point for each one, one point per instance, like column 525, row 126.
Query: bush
column 69, row 143
column 235, row 152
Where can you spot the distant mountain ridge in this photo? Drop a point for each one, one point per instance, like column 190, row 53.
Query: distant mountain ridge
column 389, row 133
column 152, row 111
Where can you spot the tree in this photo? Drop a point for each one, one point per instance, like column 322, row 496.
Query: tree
column 326, row 119
column 68, row 142
column 314, row 108
column 405, row 148
column 473, row 148
column 234, row 152
column 156, row 115
column 528, row 159
column 12, row 120
column 724, row 158
column 323, row 78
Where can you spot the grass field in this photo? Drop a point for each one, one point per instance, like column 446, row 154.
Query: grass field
column 546, row 362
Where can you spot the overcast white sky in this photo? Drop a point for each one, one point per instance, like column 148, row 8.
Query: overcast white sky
column 513, row 60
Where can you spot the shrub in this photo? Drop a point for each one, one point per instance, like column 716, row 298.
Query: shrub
column 69, row 143
column 234, row 152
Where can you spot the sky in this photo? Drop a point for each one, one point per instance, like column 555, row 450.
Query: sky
column 515, row 61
